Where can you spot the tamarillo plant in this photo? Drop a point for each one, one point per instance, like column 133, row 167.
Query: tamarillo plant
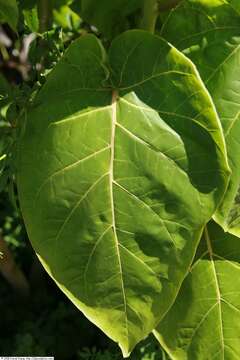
column 128, row 173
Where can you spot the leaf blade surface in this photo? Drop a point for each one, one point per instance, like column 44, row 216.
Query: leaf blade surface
column 117, row 205
column 9, row 13
column 204, row 321
column 211, row 40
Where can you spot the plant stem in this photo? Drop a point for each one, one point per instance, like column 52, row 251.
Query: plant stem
column 44, row 15
column 149, row 15
column 11, row 272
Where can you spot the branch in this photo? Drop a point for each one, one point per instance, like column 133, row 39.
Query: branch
column 11, row 272
column 45, row 15
column 149, row 15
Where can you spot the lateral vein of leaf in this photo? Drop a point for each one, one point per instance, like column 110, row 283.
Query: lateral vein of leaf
column 69, row 167
column 234, row 9
column 127, row 58
column 148, row 207
column 139, row 260
column 187, row 98
column 232, row 223
column 234, row 120
column 231, row 305
column 142, row 321
column 124, row 231
column 178, row 115
column 175, row 11
column 76, row 206
column 233, row 263
column 218, row 293
column 92, row 253
column 199, row 324
column 151, row 147
column 176, row 223
column 91, row 55
column 152, row 77
column 206, row 32
column 198, row 261
column 188, row 118
column 76, row 117
column 145, row 108
column 111, row 180
column 222, row 63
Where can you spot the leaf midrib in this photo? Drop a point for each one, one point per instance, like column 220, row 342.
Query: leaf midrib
column 111, row 181
column 218, row 292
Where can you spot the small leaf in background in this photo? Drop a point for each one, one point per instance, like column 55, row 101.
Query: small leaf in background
column 29, row 14
column 9, row 13
column 109, row 17
column 31, row 19
column 65, row 17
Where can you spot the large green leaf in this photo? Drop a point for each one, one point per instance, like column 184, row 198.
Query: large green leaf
column 204, row 322
column 212, row 40
column 9, row 13
column 118, row 174
column 110, row 17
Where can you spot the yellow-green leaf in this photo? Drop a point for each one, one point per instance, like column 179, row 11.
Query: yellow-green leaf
column 204, row 322
column 212, row 41
column 122, row 163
